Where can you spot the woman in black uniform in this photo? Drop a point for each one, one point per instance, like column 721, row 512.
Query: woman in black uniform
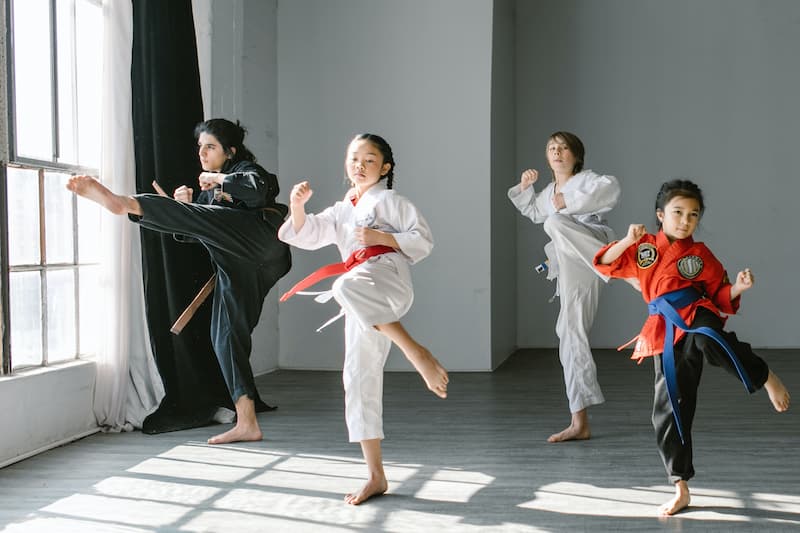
column 235, row 216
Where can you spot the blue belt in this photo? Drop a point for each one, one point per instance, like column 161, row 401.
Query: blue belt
column 666, row 305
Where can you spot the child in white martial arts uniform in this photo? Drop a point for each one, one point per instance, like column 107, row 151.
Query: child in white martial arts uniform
column 571, row 207
column 378, row 233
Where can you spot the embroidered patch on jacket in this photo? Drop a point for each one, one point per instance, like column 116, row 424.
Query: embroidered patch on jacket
column 690, row 266
column 646, row 255
column 365, row 220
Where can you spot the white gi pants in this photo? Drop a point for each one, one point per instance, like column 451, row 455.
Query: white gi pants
column 371, row 294
column 571, row 251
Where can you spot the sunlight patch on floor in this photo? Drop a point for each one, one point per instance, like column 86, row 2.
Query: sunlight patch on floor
column 301, row 507
column 69, row 525
column 335, row 475
column 403, row 521
column 707, row 504
column 154, row 490
column 187, row 470
column 449, row 485
column 118, row 510
column 250, row 523
column 227, row 455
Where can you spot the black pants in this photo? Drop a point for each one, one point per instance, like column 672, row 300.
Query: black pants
column 689, row 355
column 248, row 258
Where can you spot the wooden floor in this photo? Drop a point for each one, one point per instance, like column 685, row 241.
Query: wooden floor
column 476, row 462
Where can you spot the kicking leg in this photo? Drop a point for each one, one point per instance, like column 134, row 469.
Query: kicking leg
column 376, row 484
column 424, row 362
column 246, row 428
column 92, row 189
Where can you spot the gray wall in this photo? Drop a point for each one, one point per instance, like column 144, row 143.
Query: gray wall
column 240, row 83
column 419, row 73
column 503, row 220
column 703, row 89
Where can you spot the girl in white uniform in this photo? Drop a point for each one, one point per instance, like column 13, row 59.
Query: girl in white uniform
column 571, row 208
column 375, row 293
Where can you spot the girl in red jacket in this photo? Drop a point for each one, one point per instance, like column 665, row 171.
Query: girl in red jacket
column 683, row 283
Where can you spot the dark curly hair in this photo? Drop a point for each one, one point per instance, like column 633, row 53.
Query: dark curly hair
column 230, row 135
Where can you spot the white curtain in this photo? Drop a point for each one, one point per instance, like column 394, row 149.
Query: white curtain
column 128, row 386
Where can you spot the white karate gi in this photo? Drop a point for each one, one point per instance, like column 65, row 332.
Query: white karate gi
column 376, row 292
column 577, row 232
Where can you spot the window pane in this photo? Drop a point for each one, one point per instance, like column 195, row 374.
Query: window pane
column 32, row 81
column 89, row 310
column 26, row 318
column 23, row 216
column 65, row 55
column 58, row 219
column 61, row 341
column 88, row 231
column 89, row 49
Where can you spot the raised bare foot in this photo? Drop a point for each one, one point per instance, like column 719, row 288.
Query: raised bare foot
column 432, row 372
column 91, row 189
column 679, row 502
column 238, row 433
column 373, row 487
column 778, row 394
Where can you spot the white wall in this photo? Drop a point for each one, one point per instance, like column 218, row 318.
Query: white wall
column 706, row 90
column 419, row 73
column 44, row 408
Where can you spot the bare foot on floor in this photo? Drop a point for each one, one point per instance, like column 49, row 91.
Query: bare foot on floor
column 578, row 429
column 572, row 432
column 432, row 372
column 91, row 189
column 373, row 487
column 679, row 502
column 778, row 394
column 238, row 433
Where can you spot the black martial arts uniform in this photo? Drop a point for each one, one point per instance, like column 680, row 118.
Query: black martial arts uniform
column 237, row 223
column 690, row 352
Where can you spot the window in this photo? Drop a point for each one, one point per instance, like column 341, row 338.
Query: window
column 54, row 54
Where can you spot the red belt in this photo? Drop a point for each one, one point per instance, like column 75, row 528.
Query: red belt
column 355, row 259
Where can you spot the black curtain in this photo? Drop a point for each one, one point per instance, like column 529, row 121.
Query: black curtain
column 167, row 104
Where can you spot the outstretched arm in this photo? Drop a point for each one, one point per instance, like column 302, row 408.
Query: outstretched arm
column 635, row 232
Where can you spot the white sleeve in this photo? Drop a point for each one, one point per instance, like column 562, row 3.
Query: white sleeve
column 593, row 194
column 534, row 206
column 413, row 233
column 318, row 230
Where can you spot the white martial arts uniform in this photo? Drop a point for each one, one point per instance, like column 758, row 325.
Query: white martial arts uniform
column 576, row 233
column 376, row 292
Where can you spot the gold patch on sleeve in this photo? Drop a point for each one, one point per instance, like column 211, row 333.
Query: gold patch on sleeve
column 646, row 255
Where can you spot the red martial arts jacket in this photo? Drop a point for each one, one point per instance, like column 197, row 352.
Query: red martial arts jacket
column 662, row 267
